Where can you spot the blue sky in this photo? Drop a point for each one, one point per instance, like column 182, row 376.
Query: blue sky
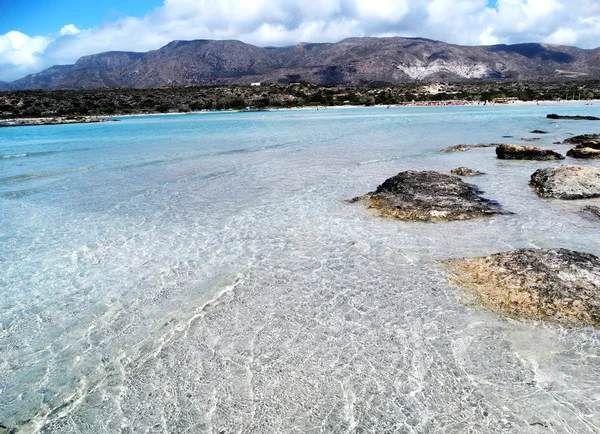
column 35, row 34
column 39, row 17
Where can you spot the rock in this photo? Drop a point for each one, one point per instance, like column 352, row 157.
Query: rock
column 584, row 153
column 593, row 210
column 530, row 139
column 592, row 145
column 539, row 132
column 542, row 284
column 567, row 182
column 577, row 140
column 464, row 171
column 516, row 152
column 507, row 137
column 575, row 118
column 463, row 148
column 429, row 196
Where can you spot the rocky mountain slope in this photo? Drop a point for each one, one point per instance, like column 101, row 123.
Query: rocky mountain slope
column 354, row 61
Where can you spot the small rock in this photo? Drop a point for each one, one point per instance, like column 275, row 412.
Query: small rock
column 516, row 152
column 575, row 118
column 584, row 153
column 567, row 182
column 429, row 196
column 542, row 284
column 593, row 210
column 463, row 148
column 464, row 171
column 530, row 139
column 539, row 132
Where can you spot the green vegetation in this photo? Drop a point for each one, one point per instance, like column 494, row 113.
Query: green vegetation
column 102, row 102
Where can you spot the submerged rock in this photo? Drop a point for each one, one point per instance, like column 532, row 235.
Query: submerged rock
column 567, row 182
column 574, row 118
column 584, row 153
column 465, row 171
column 593, row 210
column 429, row 196
column 539, row 132
column 583, row 138
column 463, row 148
column 516, row 152
column 543, row 284
column 530, row 139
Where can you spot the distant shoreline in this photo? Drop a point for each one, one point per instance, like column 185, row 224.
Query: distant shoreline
column 70, row 120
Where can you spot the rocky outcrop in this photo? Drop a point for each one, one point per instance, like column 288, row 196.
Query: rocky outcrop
column 463, row 148
column 465, row 171
column 516, row 152
column 592, row 210
column 542, row 284
column 428, row 196
column 567, row 182
column 573, row 118
column 584, row 153
column 583, row 138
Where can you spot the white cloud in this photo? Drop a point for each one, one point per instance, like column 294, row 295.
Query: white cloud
column 69, row 29
column 285, row 22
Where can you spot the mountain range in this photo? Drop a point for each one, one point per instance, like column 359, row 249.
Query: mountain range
column 353, row 61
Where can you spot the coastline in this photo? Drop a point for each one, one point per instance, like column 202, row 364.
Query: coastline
column 64, row 120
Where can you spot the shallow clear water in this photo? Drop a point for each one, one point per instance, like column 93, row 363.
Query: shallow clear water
column 201, row 273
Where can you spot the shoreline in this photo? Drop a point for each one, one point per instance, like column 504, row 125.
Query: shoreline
column 69, row 120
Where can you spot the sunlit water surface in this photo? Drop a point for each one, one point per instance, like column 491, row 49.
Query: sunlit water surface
column 201, row 273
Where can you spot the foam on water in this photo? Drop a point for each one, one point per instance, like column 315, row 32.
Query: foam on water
column 206, row 276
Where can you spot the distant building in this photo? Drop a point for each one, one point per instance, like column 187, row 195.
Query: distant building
column 254, row 84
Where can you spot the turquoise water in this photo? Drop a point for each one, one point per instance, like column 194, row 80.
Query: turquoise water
column 201, row 273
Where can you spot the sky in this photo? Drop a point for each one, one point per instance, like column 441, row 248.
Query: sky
column 36, row 34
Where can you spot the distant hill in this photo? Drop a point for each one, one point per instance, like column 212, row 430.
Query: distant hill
column 354, row 61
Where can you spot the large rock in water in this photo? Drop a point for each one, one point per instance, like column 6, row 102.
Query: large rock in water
column 584, row 153
column 516, row 152
column 429, row 196
column 542, row 284
column 567, row 182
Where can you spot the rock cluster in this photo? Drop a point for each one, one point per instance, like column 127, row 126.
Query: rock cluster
column 516, row 152
column 465, row 171
column 542, row 284
column 428, row 196
column 567, row 182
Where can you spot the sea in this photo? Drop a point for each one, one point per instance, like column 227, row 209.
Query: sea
column 203, row 273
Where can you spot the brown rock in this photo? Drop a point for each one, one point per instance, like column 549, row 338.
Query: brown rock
column 584, row 153
column 516, row 152
column 543, row 284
